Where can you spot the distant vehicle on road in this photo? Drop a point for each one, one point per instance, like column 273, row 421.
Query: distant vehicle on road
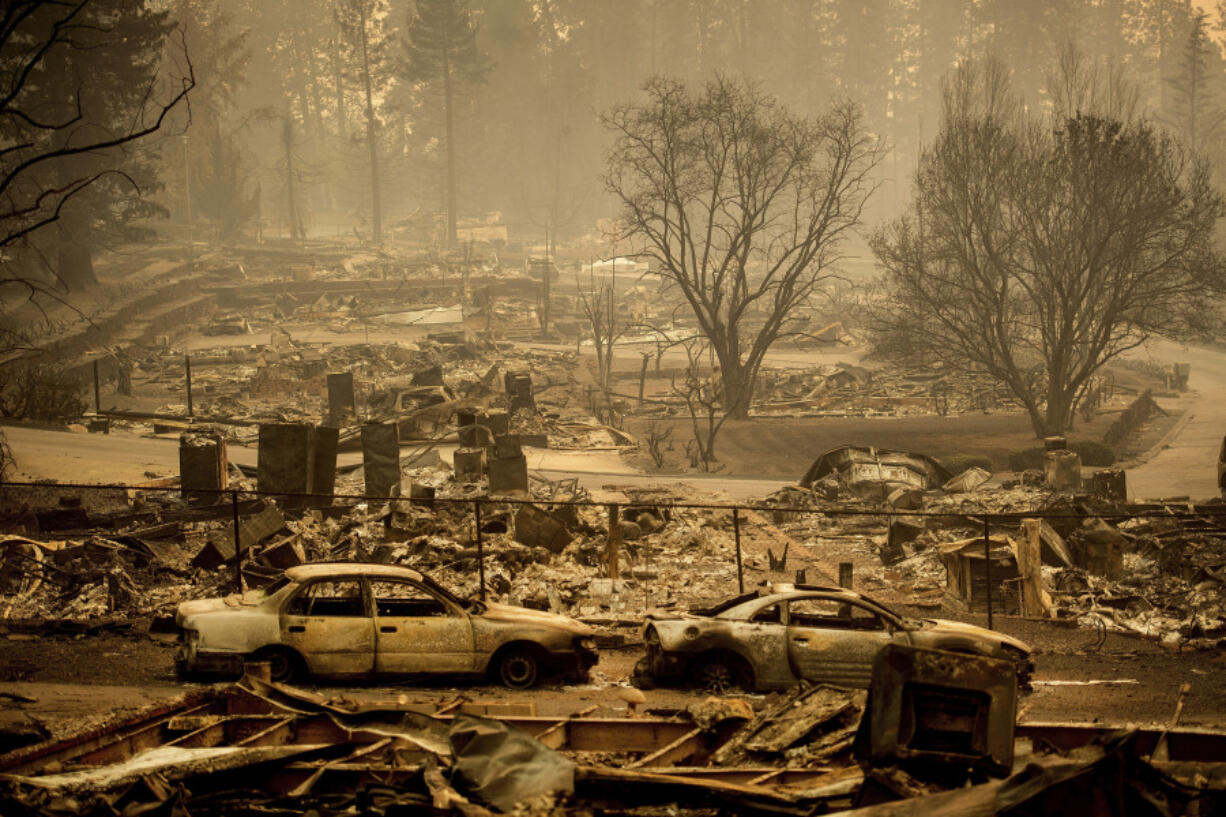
column 365, row 621
column 774, row 638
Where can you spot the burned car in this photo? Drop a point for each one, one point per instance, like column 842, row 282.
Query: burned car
column 774, row 638
column 359, row 621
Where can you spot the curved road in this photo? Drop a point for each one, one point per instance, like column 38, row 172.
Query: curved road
column 1186, row 465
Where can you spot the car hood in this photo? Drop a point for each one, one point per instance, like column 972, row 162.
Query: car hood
column 231, row 602
column 522, row 615
column 944, row 625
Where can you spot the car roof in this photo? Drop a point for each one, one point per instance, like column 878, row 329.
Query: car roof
column 317, row 570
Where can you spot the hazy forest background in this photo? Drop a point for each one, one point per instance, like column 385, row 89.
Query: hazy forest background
column 282, row 130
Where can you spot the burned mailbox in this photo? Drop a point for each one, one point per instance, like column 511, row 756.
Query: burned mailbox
column 938, row 708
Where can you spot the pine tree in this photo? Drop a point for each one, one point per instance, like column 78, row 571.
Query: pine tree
column 442, row 53
column 1194, row 109
column 361, row 24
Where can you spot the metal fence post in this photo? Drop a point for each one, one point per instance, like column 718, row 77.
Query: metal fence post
column 480, row 551
column 987, row 566
column 187, row 366
column 238, row 553
column 736, row 534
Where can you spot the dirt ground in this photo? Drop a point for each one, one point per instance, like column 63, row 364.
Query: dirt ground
column 75, row 681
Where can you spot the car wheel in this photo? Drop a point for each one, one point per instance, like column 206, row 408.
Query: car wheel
column 283, row 664
column 721, row 675
column 641, row 678
column 519, row 669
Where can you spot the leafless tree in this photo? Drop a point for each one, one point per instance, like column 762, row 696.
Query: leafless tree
column 1036, row 252
column 46, row 131
column 596, row 300
column 703, row 394
column 741, row 205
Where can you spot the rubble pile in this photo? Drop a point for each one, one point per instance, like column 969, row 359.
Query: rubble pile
column 848, row 390
column 815, row 750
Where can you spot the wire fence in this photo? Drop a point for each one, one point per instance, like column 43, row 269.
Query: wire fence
column 1195, row 517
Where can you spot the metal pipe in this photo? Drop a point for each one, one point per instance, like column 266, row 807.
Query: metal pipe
column 97, row 390
column 187, row 365
column 480, row 551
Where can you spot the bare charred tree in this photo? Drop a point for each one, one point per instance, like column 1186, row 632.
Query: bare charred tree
column 80, row 87
column 1036, row 252
column 703, row 394
column 597, row 302
column 741, row 205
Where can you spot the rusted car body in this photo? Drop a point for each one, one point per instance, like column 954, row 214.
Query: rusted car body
column 775, row 638
column 358, row 621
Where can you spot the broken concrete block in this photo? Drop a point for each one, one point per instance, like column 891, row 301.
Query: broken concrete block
column 507, row 447
column 519, row 392
column 203, row 466
column 421, row 494
column 252, row 529
column 906, row 499
column 430, row 376
column 381, row 460
column 342, row 405
column 286, row 460
column 967, row 481
column 904, row 530
column 475, row 436
column 508, row 475
column 533, row 440
column 537, row 527
column 323, row 477
column 1110, row 483
column 284, row 553
column 1062, row 470
column 468, row 464
column 498, row 422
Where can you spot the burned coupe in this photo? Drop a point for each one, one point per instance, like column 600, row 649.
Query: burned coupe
column 782, row 634
column 358, row 621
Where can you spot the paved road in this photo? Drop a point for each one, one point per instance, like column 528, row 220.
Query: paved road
column 1187, row 466
column 127, row 458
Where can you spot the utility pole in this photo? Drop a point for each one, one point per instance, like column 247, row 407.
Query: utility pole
column 187, row 196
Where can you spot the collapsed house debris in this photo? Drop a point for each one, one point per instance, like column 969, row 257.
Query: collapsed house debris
column 938, row 733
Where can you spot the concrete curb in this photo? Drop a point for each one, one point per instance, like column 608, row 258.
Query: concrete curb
column 1157, row 447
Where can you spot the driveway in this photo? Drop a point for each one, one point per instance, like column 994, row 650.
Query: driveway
column 1187, row 463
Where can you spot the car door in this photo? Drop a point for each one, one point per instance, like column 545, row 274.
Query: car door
column 329, row 623
column 833, row 641
column 418, row 632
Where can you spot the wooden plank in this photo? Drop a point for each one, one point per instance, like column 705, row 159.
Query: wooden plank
column 683, row 747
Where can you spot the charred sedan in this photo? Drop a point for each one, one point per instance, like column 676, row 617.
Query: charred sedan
column 358, row 621
column 775, row 638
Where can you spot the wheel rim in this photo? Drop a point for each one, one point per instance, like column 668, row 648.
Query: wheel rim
column 718, row 677
column 279, row 666
column 518, row 671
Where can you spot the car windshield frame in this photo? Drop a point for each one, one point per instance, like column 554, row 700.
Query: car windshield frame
column 891, row 619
